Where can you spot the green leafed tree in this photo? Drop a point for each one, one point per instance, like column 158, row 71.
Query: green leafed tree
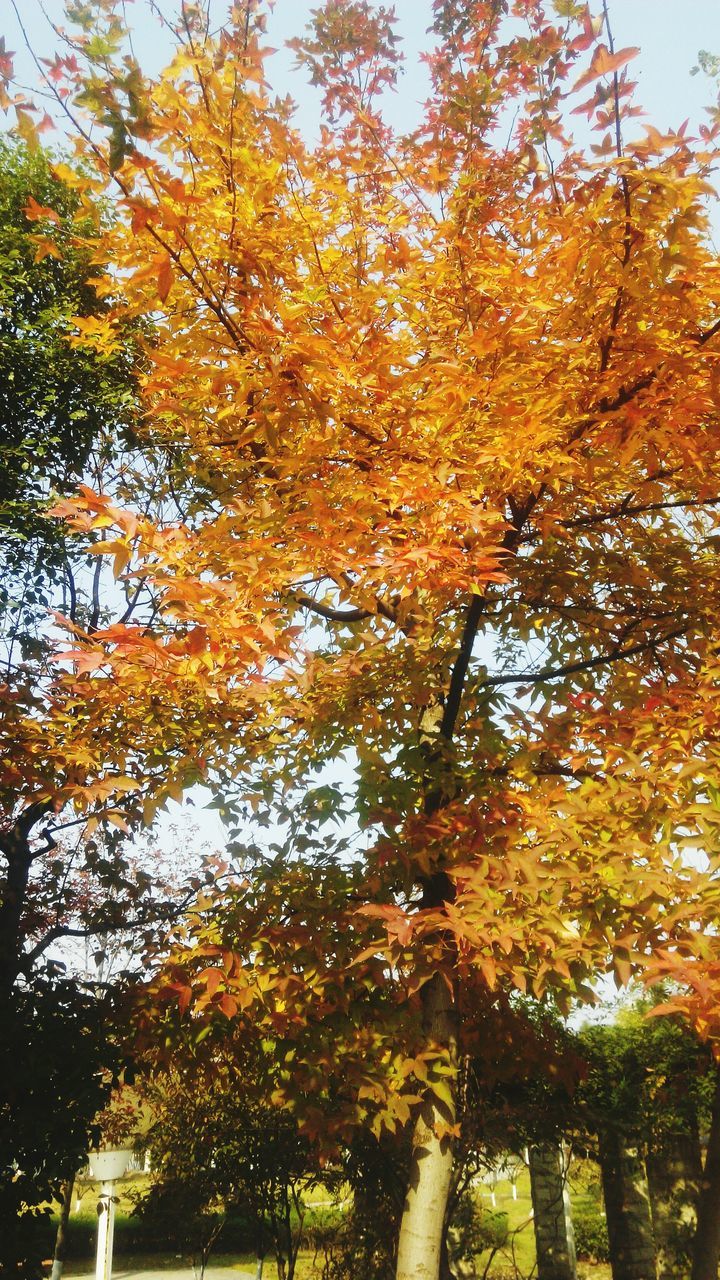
column 61, row 409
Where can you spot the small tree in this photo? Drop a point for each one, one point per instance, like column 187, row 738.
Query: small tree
column 218, row 1146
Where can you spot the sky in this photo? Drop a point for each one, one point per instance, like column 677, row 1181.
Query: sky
column 669, row 33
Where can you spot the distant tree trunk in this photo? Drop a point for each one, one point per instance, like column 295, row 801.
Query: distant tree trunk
column 15, row 848
column 61, row 1236
column 627, row 1205
column 706, row 1250
column 445, row 1271
column 554, row 1236
column 674, row 1176
column 423, row 1220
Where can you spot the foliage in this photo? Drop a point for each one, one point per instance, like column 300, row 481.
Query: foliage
column 65, row 414
column 118, row 1123
column 455, row 394
column 518, row 1086
column 363, row 1244
column 58, row 405
column 218, row 1144
column 648, row 1077
column 591, row 1234
column 51, row 1091
column 293, row 447
column 178, row 1211
column 474, row 1230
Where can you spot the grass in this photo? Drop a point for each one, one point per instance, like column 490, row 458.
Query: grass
column 517, row 1258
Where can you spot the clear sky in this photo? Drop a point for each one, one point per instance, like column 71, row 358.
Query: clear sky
column 669, row 33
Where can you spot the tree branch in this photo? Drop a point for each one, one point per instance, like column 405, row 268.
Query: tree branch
column 639, row 510
column 603, row 659
column 333, row 615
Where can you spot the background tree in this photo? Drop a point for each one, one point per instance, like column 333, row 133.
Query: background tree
column 456, row 395
column 56, row 1059
column 219, row 1146
column 62, row 411
column 647, row 1098
column 66, row 414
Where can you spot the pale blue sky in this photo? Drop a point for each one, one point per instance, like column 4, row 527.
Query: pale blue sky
column 669, row 33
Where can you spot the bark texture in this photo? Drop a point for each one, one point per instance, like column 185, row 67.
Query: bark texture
column 674, row 1175
column 423, row 1219
column 627, row 1205
column 16, row 850
column 554, row 1237
column 706, row 1252
column 61, row 1236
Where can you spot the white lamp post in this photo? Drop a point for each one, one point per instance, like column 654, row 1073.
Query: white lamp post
column 106, row 1167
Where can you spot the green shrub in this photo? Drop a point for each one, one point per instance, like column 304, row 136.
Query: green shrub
column 321, row 1224
column 591, row 1235
column 474, row 1229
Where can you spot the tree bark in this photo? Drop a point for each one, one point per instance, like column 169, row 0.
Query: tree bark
column 674, row 1177
column 627, row 1205
column 554, row 1238
column 61, row 1236
column 15, row 848
column 706, row 1250
column 422, row 1228
column 423, row 1219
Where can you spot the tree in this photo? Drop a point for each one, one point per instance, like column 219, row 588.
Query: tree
column 56, row 1059
column 61, row 410
column 456, row 395
column 65, row 414
column 218, row 1144
column 695, row 998
column 648, row 1097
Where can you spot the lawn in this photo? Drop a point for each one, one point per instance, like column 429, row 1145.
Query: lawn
column 516, row 1259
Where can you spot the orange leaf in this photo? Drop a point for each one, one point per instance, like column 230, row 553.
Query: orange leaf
column 165, row 277
column 228, row 1006
column 603, row 64
column 35, row 212
column 45, row 249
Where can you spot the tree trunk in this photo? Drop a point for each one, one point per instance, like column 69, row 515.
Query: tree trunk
column 445, row 1270
column 15, row 848
column 674, row 1177
column 706, row 1251
column 14, row 891
column 423, row 1219
column 61, row 1236
column 554, row 1237
column 627, row 1205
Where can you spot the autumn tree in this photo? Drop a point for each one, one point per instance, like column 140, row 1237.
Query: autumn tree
column 455, row 393
column 218, row 1145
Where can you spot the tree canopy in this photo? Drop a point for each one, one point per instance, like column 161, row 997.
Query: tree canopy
column 455, row 396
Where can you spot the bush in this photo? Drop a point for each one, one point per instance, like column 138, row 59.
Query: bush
column 591, row 1235
column 356, row 1249
column 321, row 1225
column 474, row 1229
